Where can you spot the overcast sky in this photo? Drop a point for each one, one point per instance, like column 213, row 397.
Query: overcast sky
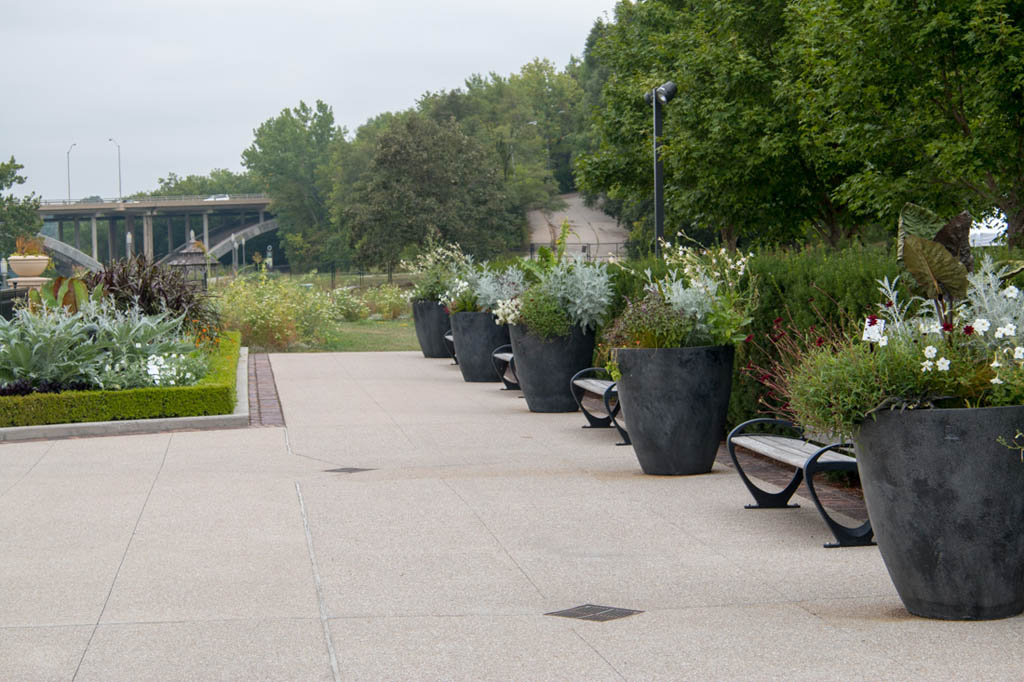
column 181, row 84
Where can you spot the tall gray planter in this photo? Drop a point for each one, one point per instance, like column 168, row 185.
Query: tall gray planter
column 545, row 366
column 476, row 336
column 431, row 321
column 674, row 402
column 946, row 502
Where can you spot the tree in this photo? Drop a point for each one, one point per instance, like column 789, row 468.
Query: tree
column 429, row 179
column 219, row 181
column 19, row 217
column 290, row 158
column 730, row 147
column 927, row 98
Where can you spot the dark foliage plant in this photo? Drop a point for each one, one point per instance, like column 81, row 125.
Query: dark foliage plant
column 157, row 289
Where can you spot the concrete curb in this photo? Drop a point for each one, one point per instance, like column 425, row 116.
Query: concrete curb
column 237, row 419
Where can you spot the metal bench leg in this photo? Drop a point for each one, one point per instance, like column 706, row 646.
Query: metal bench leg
column 764, row 499
column 450, row 345
column 860, row 536
column 614, row 412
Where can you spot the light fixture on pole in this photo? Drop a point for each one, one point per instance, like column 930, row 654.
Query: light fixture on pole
column 69, row 169
column 657, row 98
column 120, row 196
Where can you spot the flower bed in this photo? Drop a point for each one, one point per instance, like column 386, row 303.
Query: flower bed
column 214, row 394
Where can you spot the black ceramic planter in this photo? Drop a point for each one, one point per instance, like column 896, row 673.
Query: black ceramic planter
column 545, row 367
column 431, row 324
column 946, row 502
column 674, row 401
column 476, row 337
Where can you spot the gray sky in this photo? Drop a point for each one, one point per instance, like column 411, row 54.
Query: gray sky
column 181, row 84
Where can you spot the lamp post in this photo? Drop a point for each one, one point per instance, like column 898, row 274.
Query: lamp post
column 119, row 195
column 69, row 169
column 657, row 98
column 234, row 253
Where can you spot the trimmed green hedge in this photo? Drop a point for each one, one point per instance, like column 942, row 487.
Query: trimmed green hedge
column 214, row 394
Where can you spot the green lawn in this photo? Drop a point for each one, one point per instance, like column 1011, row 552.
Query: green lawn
column 374, row 335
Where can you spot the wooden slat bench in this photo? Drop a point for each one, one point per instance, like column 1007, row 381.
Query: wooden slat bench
column 809, row 458
column 505, row 366
column 582, row 383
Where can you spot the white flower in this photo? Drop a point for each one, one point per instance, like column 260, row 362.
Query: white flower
column 873, row 330
column 138, row 345
column 1018, row 353
column 171, row 382
column 981, row 325
column 1008, row 329
column 996, row 380
column 1011, row 292
column 927, row 365
column 942, row 364
column 930, row 351
column 996, row 363
column 884, row 341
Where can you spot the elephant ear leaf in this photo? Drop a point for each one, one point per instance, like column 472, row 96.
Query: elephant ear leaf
column 934, row 267
column 918, row 221
column 956, row 237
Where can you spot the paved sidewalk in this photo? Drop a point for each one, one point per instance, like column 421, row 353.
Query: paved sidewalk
column 260, row 554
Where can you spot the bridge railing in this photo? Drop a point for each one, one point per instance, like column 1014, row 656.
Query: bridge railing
column 212, row 198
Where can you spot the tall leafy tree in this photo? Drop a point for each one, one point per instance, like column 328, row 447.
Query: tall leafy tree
column 927, row 97
column 19, row 216
column 219, row 181
column 290, row 157
column 429, row 179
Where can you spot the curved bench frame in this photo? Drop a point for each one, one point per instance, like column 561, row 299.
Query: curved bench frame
column 501, row 366
column 596, row 421
column 449, row 343
column 846, row 536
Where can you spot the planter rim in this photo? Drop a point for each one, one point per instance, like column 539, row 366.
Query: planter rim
column 725, row 345
column 572, row 329
column 911, row 414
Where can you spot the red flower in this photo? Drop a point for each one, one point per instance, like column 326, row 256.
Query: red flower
column 948, row 327
column 777, row 321
column 819, row 342
column 968, row 330
column 888, row 304
column 872, row 320
column 750, row 337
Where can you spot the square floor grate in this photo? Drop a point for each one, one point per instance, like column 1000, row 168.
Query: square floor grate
column 346, row 470
column 594, row 612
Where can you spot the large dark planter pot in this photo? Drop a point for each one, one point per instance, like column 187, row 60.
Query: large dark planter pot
column 674, row 401
column 431, row 324
column 545, row 366
column 476, row 337
column 946, row 502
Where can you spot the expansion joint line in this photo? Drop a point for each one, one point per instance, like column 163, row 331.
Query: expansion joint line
column 124, row 556
column 321, row 602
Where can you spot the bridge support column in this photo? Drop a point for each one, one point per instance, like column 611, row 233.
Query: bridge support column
column 129, row 227
column 206, row 231
column 261, row 217
column 170, row 235
column 147, row 236
column 188, row 227
column 77, row 243
column 60, row 230
column 111, row 240
column 95, row 242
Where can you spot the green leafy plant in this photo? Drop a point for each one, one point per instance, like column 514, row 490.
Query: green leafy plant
column 542, row 313
column 71, row 293
column 156, row 289
column 386, row 302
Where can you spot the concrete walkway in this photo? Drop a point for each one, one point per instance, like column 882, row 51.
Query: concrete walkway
column 251, row 555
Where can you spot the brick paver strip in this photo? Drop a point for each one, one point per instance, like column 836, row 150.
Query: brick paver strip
column 264, row 404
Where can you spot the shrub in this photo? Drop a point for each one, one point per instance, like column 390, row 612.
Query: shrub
column 542, row 313
column 387, row 301
column 156, row 289
column 345, row 305
column 276, row 314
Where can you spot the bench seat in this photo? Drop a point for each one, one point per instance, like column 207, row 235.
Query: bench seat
column 505, row 365
column 808, row 457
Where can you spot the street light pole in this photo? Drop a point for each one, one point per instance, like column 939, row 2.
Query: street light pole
column 69, row 169
column 657, row 98
column 120, row 197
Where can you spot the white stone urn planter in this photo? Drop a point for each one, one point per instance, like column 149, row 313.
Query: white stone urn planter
column 28, row 266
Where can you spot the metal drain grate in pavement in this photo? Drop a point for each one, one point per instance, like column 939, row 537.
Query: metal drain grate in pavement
column 594, row 612
column 346, row 470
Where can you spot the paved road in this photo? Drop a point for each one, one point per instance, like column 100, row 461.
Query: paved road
column 247, row 555
column 588, row 226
